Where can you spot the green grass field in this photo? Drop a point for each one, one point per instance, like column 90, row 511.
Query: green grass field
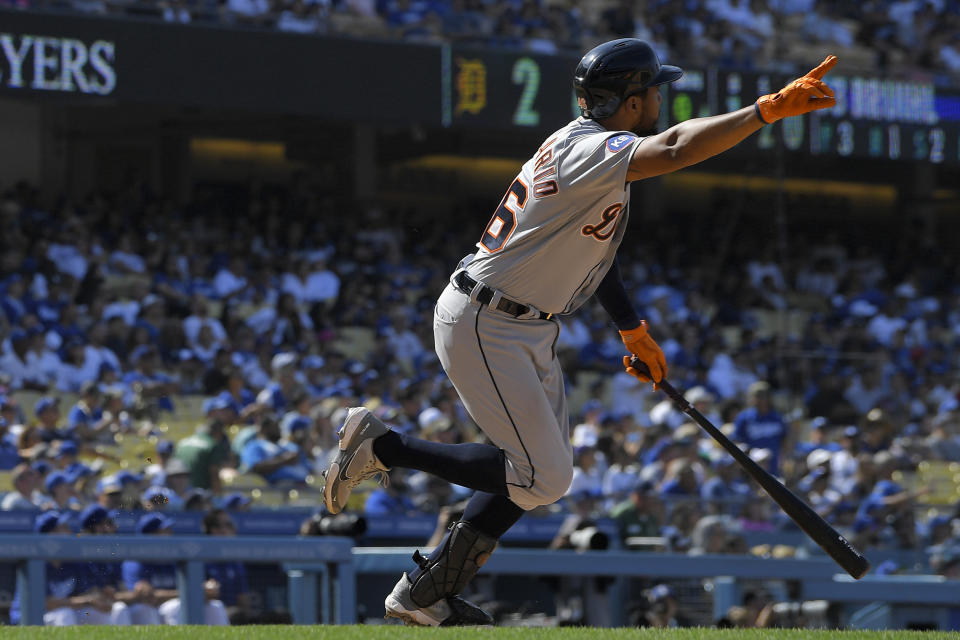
column 391, row 632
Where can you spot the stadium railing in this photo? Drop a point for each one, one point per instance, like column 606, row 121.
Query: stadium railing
column 30, row 553
column 818, row 577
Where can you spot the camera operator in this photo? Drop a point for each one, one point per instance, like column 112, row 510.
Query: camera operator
column 349, row 525
column 582, row 601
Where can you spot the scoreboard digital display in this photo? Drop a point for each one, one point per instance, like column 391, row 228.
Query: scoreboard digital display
column 873, row 118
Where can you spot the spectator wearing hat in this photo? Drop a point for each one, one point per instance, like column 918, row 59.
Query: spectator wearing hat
column 437, row 426
column 761, row 426
column 154, row 583
column 84, row 420
column 106, row 577
column 73, row 597
column 207, row 450
column 9, row 453
column 817, row 439
column 283, row 386
column 161, row 578
column 67, row 588
column 65, row 454
column 316, row 378
column 588, row 470
column 277, row 462
column 60, row 493
column 177, row 479
column 236, row 502
column 110, row 493
column 47, row 411
column 25, row 482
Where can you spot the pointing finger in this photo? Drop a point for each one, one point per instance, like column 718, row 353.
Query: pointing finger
column 825, row 66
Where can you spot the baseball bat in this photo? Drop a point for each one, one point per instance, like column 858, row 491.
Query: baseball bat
column 836, row 546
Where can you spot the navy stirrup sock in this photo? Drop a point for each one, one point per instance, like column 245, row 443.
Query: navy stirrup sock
column 472, row 465
column 491, row 514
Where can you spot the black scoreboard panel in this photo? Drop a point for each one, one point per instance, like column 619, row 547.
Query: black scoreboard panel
column 873, row 118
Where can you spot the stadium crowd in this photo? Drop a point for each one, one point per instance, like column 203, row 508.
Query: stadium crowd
column 900, row 38
column 129, row 305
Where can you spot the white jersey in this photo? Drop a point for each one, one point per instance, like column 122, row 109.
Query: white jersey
column 556, row 232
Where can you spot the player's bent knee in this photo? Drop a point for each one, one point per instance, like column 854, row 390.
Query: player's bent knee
column 547, row 488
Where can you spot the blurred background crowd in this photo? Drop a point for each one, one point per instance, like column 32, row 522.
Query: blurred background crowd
column 174, row 360
column 163, row 359
column 917, row 39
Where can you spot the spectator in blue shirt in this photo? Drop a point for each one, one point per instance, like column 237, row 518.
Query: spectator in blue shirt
column 71, row 596
column 83, row 419
column 155, row 584
column 760, row 426
column 9, row 454
column 162, row 579
column 264, row 455
column 680, row 480
column 281, row 389
column 391, row 500
column 232, row 576
column 152, row 385
column 726, row 491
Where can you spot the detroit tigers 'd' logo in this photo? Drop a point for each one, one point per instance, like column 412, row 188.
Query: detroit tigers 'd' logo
column 607, row 225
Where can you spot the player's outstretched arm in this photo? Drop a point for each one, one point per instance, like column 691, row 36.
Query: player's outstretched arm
column 696, row 140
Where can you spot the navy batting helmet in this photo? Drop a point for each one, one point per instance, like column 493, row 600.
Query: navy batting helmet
column 615, row 70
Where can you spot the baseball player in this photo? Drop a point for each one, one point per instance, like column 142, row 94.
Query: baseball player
column 550, row 245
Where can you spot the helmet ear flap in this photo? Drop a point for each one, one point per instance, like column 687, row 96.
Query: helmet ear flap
column 598, row 103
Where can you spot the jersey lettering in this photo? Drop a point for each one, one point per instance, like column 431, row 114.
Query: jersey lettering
column 545, row 165
column 608, row 219
column 504, row 219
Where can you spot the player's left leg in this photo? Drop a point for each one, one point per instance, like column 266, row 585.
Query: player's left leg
column 428, row 595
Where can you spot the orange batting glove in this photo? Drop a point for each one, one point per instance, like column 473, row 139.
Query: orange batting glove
column 640, row 344
column 803, row 95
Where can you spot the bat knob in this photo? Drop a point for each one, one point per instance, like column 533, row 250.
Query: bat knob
column 640, row 366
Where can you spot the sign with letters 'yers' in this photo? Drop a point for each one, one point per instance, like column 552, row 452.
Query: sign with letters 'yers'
column 48, row 63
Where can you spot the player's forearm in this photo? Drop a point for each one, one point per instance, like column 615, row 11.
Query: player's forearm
column 701, row 138
column 613, row 296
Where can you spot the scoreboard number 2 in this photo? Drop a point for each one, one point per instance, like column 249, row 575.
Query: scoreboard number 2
column 526, row 72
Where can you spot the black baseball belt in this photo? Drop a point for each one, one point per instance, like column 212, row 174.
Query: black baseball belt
column 466, row 285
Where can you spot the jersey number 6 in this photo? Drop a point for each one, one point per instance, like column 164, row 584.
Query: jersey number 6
column 504, row 219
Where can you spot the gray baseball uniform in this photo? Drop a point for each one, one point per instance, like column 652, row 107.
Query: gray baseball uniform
column 544, row 251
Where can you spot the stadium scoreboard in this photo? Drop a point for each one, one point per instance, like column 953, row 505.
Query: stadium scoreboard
column 97, row 61
column 873, row 117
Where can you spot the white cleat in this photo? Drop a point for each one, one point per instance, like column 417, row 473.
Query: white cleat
column 451, row 611
column 356, row 461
